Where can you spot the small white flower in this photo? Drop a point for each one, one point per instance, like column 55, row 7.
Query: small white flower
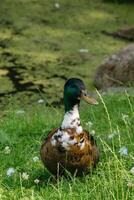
column 132, row 170
column 10, row 171
column 57, row 5
column 83, row 50
column 25, row 176
column 123, row 151
column 125, row 117
column 7, row 150
column 92, row 132
column 130, row 184
column 110, row 136
column 36, row 159
column 40, row 101
column 90, row 124
column 36, row 181
column 20, row 112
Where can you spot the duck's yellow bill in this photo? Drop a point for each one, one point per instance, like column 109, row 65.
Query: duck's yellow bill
column 90, row 100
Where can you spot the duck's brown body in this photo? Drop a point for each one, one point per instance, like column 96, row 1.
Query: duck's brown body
column 66, row 149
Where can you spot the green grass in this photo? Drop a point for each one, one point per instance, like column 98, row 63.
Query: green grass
column 23, row 134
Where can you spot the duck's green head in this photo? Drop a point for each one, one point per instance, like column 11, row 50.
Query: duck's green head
column 74, row 91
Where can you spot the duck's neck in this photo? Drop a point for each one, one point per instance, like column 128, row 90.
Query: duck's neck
column 72, row 119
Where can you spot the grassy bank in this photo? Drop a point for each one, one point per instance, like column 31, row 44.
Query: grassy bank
column 23, row 130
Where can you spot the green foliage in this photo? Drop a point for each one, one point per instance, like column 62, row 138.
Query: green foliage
column 23, row 132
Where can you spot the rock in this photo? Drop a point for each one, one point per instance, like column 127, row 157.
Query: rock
column 117, row 70
column 124, row 33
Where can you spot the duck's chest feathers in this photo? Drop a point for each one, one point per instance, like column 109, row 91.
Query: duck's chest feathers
column 72, row 120
column 67, row 140
column 70, row 136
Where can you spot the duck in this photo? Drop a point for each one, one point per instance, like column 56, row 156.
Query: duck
column 70, row 147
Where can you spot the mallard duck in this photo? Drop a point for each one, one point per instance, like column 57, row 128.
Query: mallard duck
column 70, row 147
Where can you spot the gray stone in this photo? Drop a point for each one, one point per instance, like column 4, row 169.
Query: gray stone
column 117, row 70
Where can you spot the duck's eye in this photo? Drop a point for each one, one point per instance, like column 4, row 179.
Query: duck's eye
column 84, row 92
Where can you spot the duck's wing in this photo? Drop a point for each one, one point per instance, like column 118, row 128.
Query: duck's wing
column 95, row 150
column 50, row 155
column 49, row 136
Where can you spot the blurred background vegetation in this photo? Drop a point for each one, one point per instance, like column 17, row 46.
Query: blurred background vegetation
column 43, row 43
